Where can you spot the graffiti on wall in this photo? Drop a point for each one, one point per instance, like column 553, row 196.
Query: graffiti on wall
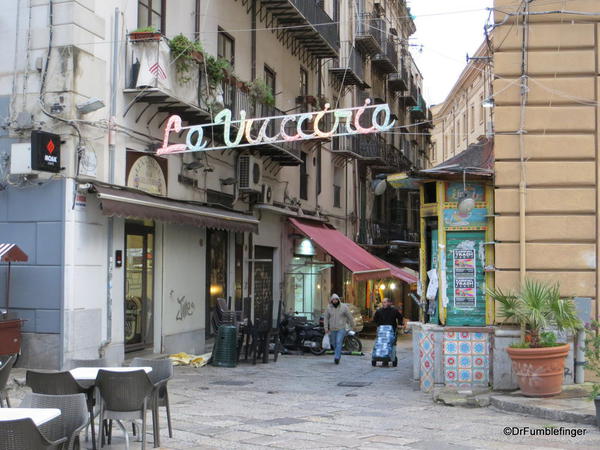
column 185, row 309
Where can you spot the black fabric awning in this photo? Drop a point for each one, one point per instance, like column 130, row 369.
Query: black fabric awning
column 123, row 202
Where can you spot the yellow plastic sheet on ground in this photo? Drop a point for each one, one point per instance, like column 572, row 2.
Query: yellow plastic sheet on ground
column 185, row 359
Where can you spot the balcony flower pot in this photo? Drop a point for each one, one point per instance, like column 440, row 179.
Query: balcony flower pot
column 539, row 371
column 135, row 36
column 197, row 56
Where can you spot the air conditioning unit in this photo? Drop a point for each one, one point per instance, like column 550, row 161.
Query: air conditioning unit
column 249, row 174
column 266, row 196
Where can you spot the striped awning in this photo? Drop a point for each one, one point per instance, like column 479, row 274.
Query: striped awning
column 12, row 253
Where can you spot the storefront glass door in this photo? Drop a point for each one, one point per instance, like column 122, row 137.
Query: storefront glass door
column 216, row 273
column 139, row 286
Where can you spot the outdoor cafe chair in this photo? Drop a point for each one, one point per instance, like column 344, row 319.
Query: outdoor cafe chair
column 125, row 396
column 60, row 383
column 162, row 372
column 24, row 434
column 72, row 420
column 5, row 368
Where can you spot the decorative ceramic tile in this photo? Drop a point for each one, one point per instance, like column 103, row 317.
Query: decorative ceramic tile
column 465, row 375
column 428, row 355
column 448, row 335
column 479, row 361
column 451, row 347
column 480, row 376
column 464, row 348
column 465, row 362
column 479, row 337
column 450, row 361
column 464, row 336
column 479, row 348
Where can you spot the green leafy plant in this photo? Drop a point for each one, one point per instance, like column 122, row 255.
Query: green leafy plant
column 537, row 307
column 145, row 30
column 185, row 53
column 261, row 92
column 592, row 354
column 217, row 70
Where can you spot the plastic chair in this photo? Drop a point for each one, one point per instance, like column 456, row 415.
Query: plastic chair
column 4, row 374
column 23, row 434
column 72, row 420
column 125, row 396
column 61, row 383
column 162, row 372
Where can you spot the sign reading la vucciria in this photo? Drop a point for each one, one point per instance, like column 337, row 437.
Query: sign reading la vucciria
column 245, row 134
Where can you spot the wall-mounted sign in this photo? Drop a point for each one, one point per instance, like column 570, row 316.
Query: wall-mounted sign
column 454, row 192
column 465, row 282
column 45, row 151
column 146, row 174
column 285, row 128
column 468, row 220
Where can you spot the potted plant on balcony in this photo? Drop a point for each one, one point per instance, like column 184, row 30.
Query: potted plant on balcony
column 145, row 34
column 218, row 69
column 592, row 363
column 186, row 54
column 538, row 360
column 260, row 92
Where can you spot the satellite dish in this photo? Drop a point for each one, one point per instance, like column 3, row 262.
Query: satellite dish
column 380, row 187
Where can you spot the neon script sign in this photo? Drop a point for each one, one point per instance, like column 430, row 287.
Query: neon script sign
column 291, row 128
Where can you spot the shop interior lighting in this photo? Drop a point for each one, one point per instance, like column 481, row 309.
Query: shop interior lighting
column 392, row 286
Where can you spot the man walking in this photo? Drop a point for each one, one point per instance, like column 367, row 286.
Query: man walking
column 337, row 317
column 388, row 315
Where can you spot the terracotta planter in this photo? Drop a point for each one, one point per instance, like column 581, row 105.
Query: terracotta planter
column 539, row 371
column 145, row 36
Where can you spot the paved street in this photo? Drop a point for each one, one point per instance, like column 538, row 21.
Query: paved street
column 297, row 403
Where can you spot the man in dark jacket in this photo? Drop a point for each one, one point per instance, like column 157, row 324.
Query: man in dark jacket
column 388, row 315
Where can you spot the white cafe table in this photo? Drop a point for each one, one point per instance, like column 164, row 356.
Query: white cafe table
column 87, row 375
column 38, row 415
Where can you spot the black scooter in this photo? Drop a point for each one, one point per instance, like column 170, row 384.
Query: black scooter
column 296, row 333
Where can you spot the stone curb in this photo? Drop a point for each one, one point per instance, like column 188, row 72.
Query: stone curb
column 504, row 404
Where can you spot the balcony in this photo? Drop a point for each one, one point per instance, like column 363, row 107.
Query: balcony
column 349, row 69
column 419, row 111
column 410, row 96
column 373, row 232
column 156, row 91
column 398, row 81
column 312, row 27
column 370, row 34
column 387, row 60
column 363, row 147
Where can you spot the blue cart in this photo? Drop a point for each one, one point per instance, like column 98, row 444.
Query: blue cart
column 384, row 349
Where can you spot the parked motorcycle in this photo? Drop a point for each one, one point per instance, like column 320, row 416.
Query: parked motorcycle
column 298, row 334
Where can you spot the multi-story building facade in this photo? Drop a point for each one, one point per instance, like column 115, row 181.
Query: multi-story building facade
column 465, row 117
column 546, row 137
column 130, row 250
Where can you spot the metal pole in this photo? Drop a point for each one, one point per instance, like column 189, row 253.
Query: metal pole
column 8, row 288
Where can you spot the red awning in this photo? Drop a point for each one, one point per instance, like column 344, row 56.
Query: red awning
column 357, row 260
column 12, row 253
column 401, row 273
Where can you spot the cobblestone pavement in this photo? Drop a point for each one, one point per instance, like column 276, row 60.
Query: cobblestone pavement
column 297, row 403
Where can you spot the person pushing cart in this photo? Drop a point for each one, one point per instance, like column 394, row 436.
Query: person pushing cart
column 388, row 319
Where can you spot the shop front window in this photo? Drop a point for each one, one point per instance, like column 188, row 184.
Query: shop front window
column 216, row 273
column 306, row 287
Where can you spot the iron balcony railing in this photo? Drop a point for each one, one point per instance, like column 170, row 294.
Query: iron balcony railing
column 370, row 34
column 320, row 37
column 387, row 60
column 380, row 232
column 349, row 67
column 419, row 111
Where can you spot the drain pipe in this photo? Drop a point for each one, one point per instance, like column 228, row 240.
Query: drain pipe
column 111, row 180
column 579, row 375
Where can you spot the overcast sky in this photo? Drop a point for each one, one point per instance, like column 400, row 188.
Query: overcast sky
column 448, row 30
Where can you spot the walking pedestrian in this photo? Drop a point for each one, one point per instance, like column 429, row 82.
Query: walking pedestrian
column 337, row 317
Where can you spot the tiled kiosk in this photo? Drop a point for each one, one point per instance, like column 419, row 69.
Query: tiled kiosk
column 467, row 357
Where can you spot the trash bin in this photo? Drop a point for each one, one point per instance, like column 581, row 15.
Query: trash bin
column 10, row 336
column 225, row 349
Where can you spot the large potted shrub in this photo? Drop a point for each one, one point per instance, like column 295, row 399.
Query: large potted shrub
column 187, row 54
column 538, row 360
column 592, row 363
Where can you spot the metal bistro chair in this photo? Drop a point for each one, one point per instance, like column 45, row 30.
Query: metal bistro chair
column 5, row 368
column 72, row 420
column 125, row 396
column 23, row 434
column 162, row 372
column 61, row 383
